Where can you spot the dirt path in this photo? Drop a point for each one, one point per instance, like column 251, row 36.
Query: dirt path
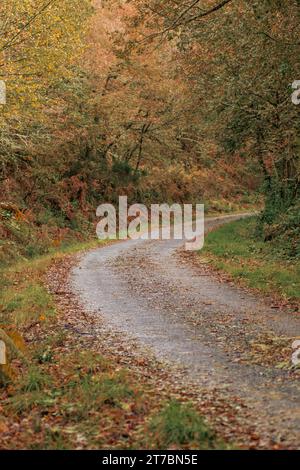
column 152, row 292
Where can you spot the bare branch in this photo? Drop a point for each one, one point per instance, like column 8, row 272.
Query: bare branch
column 11, row 41
column 180, row 21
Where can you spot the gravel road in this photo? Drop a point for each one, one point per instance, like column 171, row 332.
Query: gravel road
column 168, row 301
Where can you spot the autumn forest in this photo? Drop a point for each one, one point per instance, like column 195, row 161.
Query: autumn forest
column 164, row 101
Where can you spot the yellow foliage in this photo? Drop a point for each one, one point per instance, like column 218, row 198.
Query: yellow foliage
column 39, row 42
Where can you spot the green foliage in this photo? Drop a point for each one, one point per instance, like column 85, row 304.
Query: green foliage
column 124, row 173
column 282, row 228
column 44, row 355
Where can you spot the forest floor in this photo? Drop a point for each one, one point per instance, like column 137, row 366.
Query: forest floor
column 151, row 348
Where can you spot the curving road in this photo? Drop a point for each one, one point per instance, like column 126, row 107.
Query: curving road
column 153, row 292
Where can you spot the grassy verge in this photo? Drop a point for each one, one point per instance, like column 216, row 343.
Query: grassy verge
column 236, row 249
column 23, row 296
column 66, row 398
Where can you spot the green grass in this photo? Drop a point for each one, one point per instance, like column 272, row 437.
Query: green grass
column 179, row 425
column 90, row 399
column 35, row 380
column 23, row 296
column 237, row 249
column 29, row 303
column 23, row 403
column 93, row 392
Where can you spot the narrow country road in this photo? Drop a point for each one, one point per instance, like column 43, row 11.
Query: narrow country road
column 153, row 292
